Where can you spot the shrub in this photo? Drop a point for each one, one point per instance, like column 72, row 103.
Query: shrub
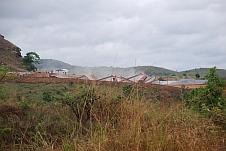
column 209, row 100
column 3, row 70
column 127, row 89
column 80, row 101
column 24, row 105
column 131, row 91
column 47, row 96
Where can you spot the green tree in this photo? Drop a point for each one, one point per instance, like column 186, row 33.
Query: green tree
column 30, row 59
column 197, row 76
column 185, row 75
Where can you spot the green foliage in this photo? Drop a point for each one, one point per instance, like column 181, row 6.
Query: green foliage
column 209, row 100
column 13, row 52
column 118, row 98
column 127, row 89
column 2, row 92
column 47, row 96
column 209, row 96
column 197, row 75
column 19, row 97
column 24, row 105
column 3, row 129
column 3, row 70
column 133, row 92
column 80, row 101
column 30, row 59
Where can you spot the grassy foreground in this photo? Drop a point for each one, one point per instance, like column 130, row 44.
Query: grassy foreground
column 41, row 117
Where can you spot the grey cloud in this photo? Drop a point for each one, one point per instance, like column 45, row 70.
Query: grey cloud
column 93, row 33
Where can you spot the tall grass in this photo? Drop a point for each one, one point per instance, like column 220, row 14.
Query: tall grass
column 116, row 122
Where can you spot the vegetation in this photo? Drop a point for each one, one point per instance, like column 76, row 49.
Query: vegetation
column 72, row 116
column 10, row 55
column 203, row 71
column 3, row 70
column 209, row 100
column 80, row 101
column 197, row 76
column 185, row 75
column 30, row 59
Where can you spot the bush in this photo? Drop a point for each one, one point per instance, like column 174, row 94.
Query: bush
column 131, row 91
column 3, row 70
column 47, row 96
column 127, row 89
column 209, row 100
column 80, row 101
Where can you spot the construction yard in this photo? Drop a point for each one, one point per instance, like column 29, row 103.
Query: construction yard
column 43, row 77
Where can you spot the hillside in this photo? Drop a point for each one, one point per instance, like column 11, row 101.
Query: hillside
column 10, row 55
column 51, row 64
column 203, row 71
column 150, row 70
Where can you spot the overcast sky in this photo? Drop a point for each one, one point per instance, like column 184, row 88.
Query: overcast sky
column 173, row 34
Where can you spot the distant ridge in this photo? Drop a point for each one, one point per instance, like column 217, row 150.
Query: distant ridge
column 52, row 64
column 99, row 72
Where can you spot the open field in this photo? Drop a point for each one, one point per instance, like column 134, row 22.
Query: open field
column 39, row 114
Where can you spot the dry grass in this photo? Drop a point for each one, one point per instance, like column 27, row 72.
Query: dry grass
column 151, row 126
column 124, row 124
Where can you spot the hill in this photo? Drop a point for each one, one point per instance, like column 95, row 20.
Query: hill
column 203, row 71
column 51, row 64
column 150, row 70
column 10, row 55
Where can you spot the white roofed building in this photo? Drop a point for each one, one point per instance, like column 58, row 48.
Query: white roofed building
column 61, row 71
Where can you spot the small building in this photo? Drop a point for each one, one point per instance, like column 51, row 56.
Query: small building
column 61, row 71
